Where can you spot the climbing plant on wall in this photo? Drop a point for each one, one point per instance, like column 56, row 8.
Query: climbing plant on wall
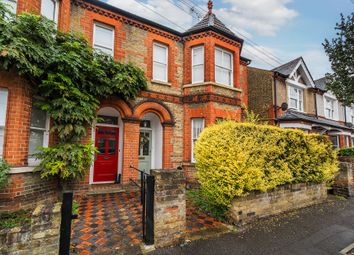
column 70, row 77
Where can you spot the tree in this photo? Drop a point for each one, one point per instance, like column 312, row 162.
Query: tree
column 340, row 51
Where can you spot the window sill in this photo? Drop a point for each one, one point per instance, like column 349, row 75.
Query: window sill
column 161, row 83
column 21, row 170
column 213, row 84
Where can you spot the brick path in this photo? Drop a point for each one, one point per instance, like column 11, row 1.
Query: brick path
column 111, row 222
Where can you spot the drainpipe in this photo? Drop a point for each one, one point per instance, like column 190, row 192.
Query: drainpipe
column 275, row 99
column 345, row 114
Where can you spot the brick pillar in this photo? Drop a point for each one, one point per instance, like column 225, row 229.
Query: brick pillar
column 169, row 207
column 64, row 16
column 130, row 149
column 167, row 146
column 344, row 181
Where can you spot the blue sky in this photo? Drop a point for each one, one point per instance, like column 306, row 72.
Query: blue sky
column 285, row 29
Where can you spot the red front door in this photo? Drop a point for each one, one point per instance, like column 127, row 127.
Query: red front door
column 106, row 162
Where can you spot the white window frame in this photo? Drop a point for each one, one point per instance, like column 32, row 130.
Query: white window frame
column 3, row 125
column 153, row 61
column 223, row 52
column 94, row 44
column 193, row 138
column 299, row 100
column 347, row 141
column 56, row 14
column 11, row 4
column 32, row 161
column 194, row 65
column 332, row 108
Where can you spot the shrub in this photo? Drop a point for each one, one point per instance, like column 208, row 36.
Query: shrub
column 4, row 170
column 68, row 161
column 236, row 158
column 346, row 152
column 14, row 219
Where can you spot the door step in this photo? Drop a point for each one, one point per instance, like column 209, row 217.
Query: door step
column 105, row 191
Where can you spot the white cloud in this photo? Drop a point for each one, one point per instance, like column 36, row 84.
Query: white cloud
column 265, row 17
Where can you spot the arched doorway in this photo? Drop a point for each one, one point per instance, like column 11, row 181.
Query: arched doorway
column 150, row 143
column 108, row 139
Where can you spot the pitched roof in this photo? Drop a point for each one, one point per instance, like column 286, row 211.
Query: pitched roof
column 321, row 83
column 295, row 115
column 287, row 68
column 210, row 20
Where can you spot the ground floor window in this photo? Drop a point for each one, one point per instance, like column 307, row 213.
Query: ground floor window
column 39, row 133
column 335, row 140
column 347, row 141
column 197, row 128
column 3, row 111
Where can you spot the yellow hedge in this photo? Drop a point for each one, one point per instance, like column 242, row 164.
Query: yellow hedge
column 235, row 158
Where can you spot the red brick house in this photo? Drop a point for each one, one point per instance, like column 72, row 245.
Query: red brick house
column 309, row 105
column 194, row 79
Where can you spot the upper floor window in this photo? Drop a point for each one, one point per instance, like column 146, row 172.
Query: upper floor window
column 3, row 110
column 103, row 38
column 223, row 67
column 329, row 108
column 296, row 98
column 198, row 64
column 11, row 5
column 197, row 128
column 160, row 62
column 50, row 9
column 39, row 133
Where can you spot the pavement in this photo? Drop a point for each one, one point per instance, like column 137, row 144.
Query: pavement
column 323, row 229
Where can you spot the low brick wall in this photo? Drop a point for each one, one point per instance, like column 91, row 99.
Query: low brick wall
column 25, row 190
column 169, row 207
column 40, row 237
column 344, row 182
column 289, row 197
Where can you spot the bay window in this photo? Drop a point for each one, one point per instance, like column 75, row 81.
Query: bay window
column 11, row 5
column 39, row 133
column 160, row 62
column 3, row 111
column 50, row 10
column 335, row 141
column 103, row 38
column 296, row 98
column 198, row 64
column 329, row 108
column 197, row 128
column 223, row 67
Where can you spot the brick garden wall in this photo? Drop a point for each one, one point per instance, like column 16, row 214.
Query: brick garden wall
column 39, row 237
column 25, row 190
column 344, row 182
column 285, row 198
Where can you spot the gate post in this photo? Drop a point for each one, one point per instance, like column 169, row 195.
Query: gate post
column 169, row 207
column 65, row 226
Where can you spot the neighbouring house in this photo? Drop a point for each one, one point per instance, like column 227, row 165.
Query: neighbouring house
column 288, row 96
column 194, row 79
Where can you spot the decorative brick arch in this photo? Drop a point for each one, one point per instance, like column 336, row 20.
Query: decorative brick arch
column 155, row 107
column 124, row 109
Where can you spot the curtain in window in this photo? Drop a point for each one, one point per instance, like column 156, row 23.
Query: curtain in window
column 197, row 128
column 49, row 9
column 223, row 67
column 3, row 111
column 198, row 64
column 103, row 39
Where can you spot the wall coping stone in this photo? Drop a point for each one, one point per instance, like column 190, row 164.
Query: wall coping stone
column 213, row 84
column 21, row 170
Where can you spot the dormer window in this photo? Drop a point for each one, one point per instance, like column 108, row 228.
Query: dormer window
column 50, row 10
column 296, row 98
column 329, row 108
column 198, row 64
column 11, row 5
column 223, row 67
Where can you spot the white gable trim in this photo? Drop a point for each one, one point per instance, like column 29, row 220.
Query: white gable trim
column 307, row 72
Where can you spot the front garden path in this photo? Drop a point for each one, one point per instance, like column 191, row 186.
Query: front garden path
column 111, row 224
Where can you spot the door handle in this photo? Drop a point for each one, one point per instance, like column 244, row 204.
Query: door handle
column 105, row 158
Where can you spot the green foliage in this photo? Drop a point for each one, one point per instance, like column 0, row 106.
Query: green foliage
column 4, row 170
column 75, row 209
column 14, row 219
column 68, row 161
column 236, row 158
column 251, row 117
column 70, row 77
column 341, row 55
column 346, row 152
column 218, row 212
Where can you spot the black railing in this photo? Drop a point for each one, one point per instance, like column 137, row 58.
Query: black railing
column 147, row 186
